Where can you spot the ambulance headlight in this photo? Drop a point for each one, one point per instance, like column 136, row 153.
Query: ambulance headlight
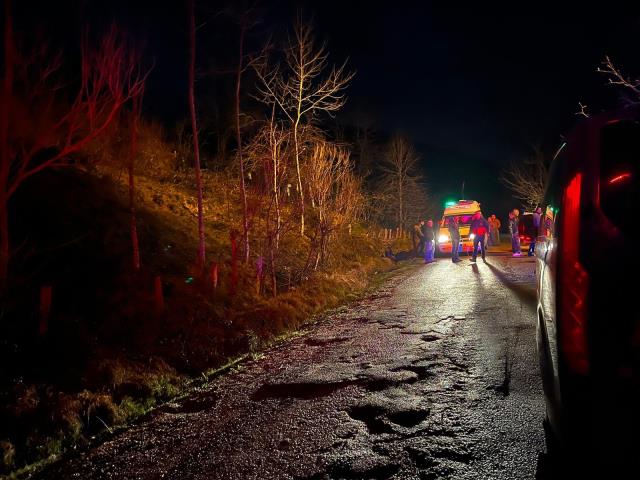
column 443, row 238
column 472, row 236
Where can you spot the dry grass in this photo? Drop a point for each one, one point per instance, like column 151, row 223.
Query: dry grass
column 133, row 359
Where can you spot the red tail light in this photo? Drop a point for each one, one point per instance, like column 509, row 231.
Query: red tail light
column 574, row 283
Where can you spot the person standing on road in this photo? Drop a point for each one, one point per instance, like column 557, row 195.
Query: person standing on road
column 494, row 230
column 414, row 239
column 536, row 230
column 479, row 228
column 429, row 247
column 515, row 234
column 420, row 236
column 454, row 234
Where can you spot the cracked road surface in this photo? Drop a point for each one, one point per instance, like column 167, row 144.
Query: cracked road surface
column 432, row 376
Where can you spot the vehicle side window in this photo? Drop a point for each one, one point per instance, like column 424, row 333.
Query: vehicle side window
column 619, row 186
column 553, row 195
column 548, row 222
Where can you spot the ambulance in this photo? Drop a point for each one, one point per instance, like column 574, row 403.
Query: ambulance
column 464, row 210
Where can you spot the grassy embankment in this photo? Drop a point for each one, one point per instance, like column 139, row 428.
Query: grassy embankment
column 108, row 355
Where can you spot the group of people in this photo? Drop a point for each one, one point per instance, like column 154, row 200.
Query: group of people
column 424, row 240
column 486, row 232
column 514, row 221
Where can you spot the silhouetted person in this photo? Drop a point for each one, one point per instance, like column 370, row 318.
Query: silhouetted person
column 414, row 239
column 397, row 257
column 515, row 234
column 429, row 245
column 420, row 236
column 537, row 214
column 454, row 234
column 480, row 229
column 494, row 230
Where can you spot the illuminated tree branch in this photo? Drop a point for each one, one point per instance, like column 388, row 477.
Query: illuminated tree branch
column 616, row 77
column 301, row 91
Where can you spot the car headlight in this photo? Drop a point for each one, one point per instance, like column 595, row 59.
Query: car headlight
column 443, row 238
column 472, row 236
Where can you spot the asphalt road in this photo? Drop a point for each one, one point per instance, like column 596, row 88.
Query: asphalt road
column 432, row 376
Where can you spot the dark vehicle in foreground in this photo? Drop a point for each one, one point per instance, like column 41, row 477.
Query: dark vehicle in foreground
column 588, row 304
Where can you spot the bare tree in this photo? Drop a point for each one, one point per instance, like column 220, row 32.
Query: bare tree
column 42, row 121
column 303, row 90
column 266, row 158
column 630, row 86
column 194, row 130
column 335, row 192
column 399, row 175
column 246, row 20
column 527, row 179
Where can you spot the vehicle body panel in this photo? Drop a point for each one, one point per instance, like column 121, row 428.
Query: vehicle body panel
column 592, row 407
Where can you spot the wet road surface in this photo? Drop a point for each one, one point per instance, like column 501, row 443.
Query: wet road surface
column 432, row 376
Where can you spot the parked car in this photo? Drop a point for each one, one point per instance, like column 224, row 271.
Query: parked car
column 588, row 331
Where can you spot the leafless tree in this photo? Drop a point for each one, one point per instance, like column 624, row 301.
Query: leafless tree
column 246, row 20
column 302, row 90
column 335, row 191
column 615, row 76
column 194, row 131
column 399, row 175
column 527, row 179
column 35, row 116
column 266, row 158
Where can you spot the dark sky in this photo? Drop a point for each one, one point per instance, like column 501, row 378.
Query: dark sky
column 474, row 86
column 477, row 87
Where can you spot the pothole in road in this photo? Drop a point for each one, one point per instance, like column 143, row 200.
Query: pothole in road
column 421, row 458
column 430, row 338
column 302, row 390
column 408, row 418
column 422, row 371
column 371, row 416
column 320, row 341
column 390, row 326
column 376, row 382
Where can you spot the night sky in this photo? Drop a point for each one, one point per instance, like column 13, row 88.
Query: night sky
column 474, row 87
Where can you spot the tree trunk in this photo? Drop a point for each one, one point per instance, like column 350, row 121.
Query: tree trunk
column 401, row 205
column 243, row 190
column 194, row 127
column 301, row 191
column 7, row 86
column 272, row 262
